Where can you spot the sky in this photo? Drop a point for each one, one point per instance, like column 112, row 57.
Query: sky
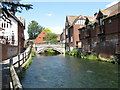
column 52, row 14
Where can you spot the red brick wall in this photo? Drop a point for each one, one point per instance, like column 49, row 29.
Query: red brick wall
column 113, row 26
column 76, row 34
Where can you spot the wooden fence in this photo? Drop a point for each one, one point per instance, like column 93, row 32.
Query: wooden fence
column 15, row 64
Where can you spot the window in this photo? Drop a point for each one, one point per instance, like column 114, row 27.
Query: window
column 71, row 38
column 2, row 25
column 80, row 22
column 7, row 25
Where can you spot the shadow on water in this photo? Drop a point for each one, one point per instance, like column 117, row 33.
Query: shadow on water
column 50, row 52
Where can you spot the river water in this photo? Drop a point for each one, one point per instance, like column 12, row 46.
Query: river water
column 69, row 72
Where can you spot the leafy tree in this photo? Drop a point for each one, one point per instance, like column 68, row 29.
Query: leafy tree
column 51, row 37
column 48, row 30
column 14, row 6
column 34, row 29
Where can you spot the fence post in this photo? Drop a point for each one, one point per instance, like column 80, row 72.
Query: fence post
column 18, row 60
column 11, row 61
column 23, row 58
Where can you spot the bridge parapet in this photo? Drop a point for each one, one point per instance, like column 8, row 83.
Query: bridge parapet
column 40, row 47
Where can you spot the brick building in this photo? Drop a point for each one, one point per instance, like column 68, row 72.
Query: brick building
column 40, row 38
column 73, row 23
column 102, row 35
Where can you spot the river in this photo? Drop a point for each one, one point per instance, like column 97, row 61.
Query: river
column 69, row 72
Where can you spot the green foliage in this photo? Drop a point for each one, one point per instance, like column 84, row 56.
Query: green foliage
column 15, row 6
column 48, row 30
column 74, row 53
column 50, row 51
column 91, row 22
column 111, row 60
column 51, row 37
column 21, row 74
column 66, row 52
column 34, row 29
column 32, row 53
column 91, row 57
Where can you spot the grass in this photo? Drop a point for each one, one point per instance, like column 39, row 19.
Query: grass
column 21, row 74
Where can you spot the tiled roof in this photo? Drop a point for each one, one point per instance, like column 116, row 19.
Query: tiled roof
column 40, row 37
column 113, row 10
column 90, row 18
column 71, row 19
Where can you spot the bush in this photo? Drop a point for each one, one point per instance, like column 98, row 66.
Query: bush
column 74, row 53
column 32, row 53
column 66, row 52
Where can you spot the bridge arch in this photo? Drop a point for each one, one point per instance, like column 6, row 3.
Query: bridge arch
column 56, row 49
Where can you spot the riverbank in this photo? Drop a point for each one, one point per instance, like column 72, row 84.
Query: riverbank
column 91, row 56
column 26, row 65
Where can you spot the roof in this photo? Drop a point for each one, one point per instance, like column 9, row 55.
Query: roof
column 39, row 38
column 78, row 17
column 11, row 15
column 90, row 18
column 113, row 10
column 110, row 11
column 71, row 19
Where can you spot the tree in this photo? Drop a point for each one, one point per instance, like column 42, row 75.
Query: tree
column 51, row 37
column 15, row 6
column 48, row 30
column 34, row 29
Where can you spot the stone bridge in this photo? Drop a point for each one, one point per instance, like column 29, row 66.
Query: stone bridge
column 41, row 47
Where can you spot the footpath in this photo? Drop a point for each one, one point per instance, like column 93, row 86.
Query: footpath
column 5, row 69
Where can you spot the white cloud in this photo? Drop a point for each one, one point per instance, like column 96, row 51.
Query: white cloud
column 49, row 14
column 112, row 3
column 57, row 29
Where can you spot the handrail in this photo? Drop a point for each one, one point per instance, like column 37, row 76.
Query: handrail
column 14, row 77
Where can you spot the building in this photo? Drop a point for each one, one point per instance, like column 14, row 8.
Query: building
column 40, row 38
column 102, row 36
column 58, row 38
column 73, row 23
column 62, row 36
column 13, row 32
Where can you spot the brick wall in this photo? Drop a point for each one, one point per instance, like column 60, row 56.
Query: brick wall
column 7, row 51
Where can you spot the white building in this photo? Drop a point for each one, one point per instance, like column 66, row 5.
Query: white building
column 10, row 24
